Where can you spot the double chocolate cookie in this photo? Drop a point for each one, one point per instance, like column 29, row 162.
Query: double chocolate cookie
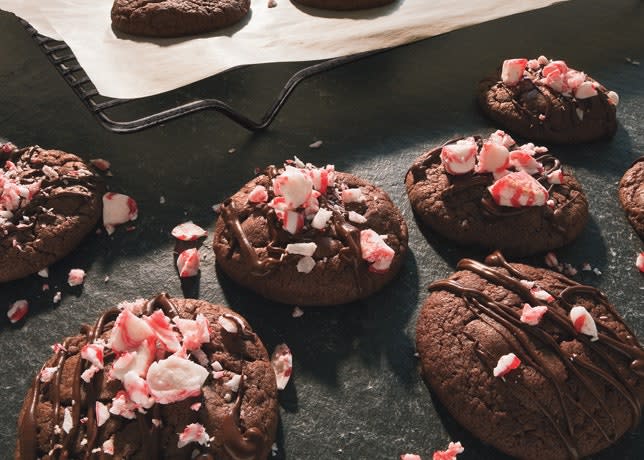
column 497, row 194
column 631, row 195
column 530, row 361
column 310, row 236
column 162, row 379
column 49, row 200
column 175, row 18
column 546, row 101
column 344, row 4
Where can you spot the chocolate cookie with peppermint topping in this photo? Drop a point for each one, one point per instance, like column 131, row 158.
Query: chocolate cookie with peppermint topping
column 49, row 200
column 631, row 195
column 310, row 236
column 158, row 379
column 530, row 361
column 547, row 101
column 497, row 194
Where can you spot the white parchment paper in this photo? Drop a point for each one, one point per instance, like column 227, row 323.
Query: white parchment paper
column 124, row 66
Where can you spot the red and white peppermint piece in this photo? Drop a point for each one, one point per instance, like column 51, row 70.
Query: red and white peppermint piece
column 188, row 263
column 506, row 364
column 492, row 157
column 188, row 231
column 512, row 71
column 89, row 373
column 102, row 414
column 533, row 64
column 100, row 164
column 574, row 79
column 195, row 432
column 292, row 221
column 129, row 332
column 541, row 294
column 459, row 158
column 282, row 362
column 583, row 322
column 322, row 178
column 195, row 332
column 321, row 218
column 556, row 177
column 585, row 90
column 518, row 189
column 352, row 195
column 76, row 277
column 118, row 209
column 410, row 457
column 501, row 137
column 258, row 195
column 639, row 262
column 8, row 147
column 175, row 379
column 123, row 406
column 532, row 315
column 160, row 323
column 18, row 310
column 613, row 97
column 47, row 373
column 523, row 160
column 302, row 249
column 138, row 390
column 108, row 446
column 555, row 66
column 376, row 251
column 294, row 185
column 542, row 60
column 453, row 449
column 93, row 352
column 68, row 421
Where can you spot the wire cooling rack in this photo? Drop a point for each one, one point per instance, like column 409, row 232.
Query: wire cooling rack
column 63, row 59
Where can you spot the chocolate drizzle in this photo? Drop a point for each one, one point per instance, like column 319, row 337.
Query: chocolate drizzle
column 81, row 440
column 526, row 340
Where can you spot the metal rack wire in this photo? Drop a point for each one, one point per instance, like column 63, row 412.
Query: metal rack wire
column 63, row 59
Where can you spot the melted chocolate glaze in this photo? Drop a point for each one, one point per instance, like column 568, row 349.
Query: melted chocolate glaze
column 525, row 340
column 240, row 445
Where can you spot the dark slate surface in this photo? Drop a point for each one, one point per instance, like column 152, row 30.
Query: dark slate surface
column 355, row 392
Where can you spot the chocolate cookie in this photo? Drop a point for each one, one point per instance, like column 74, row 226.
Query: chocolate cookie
column 344, row 4
column 547, row 101
column 530, row 361
column 49, row 200
column 310, row 236
column 496, row 194
column 162, row 379
column 175, row 18
column 631, row 195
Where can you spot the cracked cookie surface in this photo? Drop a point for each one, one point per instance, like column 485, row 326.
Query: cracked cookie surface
column 631, row 195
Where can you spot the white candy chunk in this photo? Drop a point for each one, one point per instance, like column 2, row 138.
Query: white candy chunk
column 93, row 352
column 356, row 218
column 459, row 158
column 135, row 361
column 216, row 366
column 233, row 383
column 108, row 446
column 195, row 432
column 376, row 251
column 76, row 277
column 542, row 60
column 512, row 71
column 583, row 322
column 137, row 389
column 282, row 362
column 68, row 421
column 161, row 326
column 639, row 262
column 188, row 263
column 88, row 374
column 123, row 406
column 258, row 195
column 44, row 273
column 586, row 90
column 128, row 332
column 293, row 221
column 102, row 414
column 555, row 177
column 228, row 324
column 574, row 79
column 48, row 373
column 321, row 218
column 532, row 315
column 118, row 209
column 294, row 185
column 175, row 379
column 492, row 157
column 580, row 113
column 195, row 332
column 302, row 249
column 188, row 231
column 352, row 195
column 613, row 97
column 505, row 364
column 305, row 265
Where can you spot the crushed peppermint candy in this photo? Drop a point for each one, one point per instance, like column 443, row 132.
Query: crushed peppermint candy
column 410, row 457
column 102, row 413
column 188, row 263
column 18, row 310
column 541, row 294
column 100, row 164
column 47, row 373
column 506, row 364
column 305, row 265
column 583, row 322
column 57, row 297
column 532, row 315
column 68, row 421
column 76, row 277
column 282, row 362
column 93, row 352
column 188, row 231
column 44, row 273
column 315, row 145
column 118, row 209
column 195, row 432
column 639, row 262
column 258, row 195
column 303, row 249
column 460, row 157
column 297, row 312
column 175, row 379
column 453, row 449
column 518, row 189
column 551, row 260
column 108, row 446
column 376, row 251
